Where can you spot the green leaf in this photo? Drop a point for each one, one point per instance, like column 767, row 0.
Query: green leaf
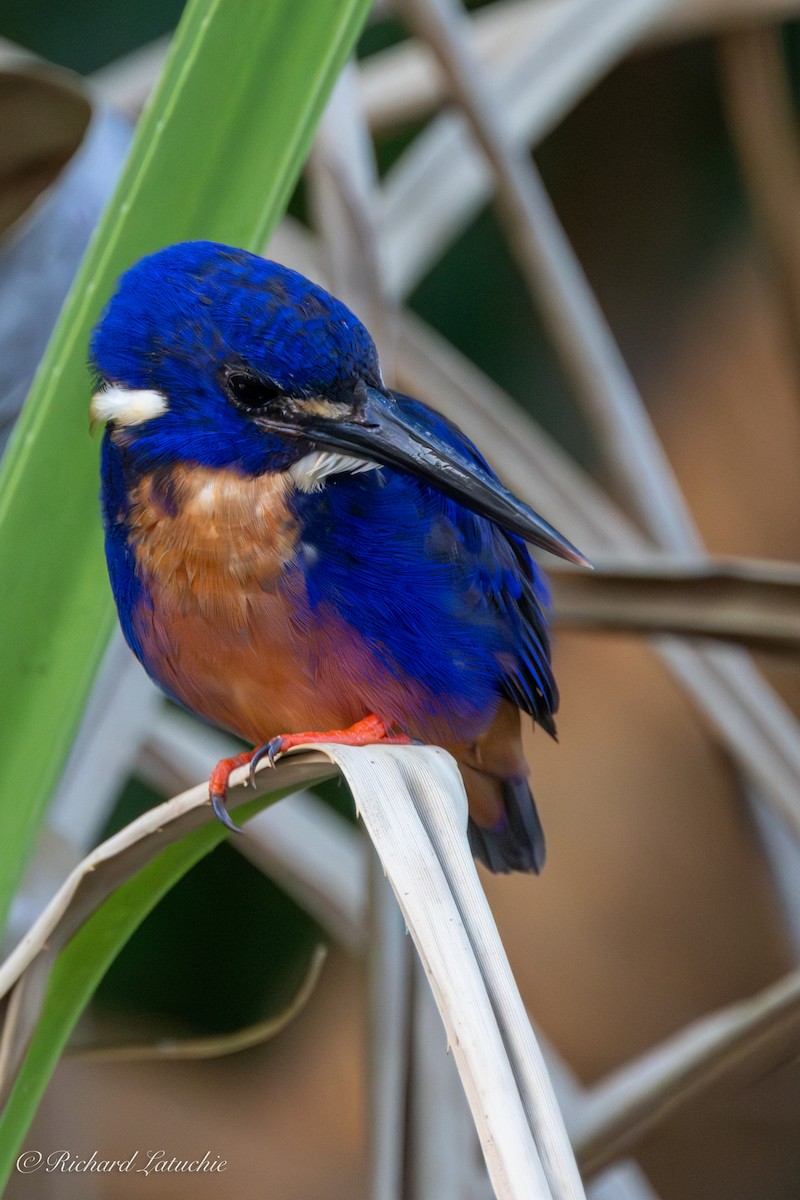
column 225, row 920
column 216, row 156
column 82, row 963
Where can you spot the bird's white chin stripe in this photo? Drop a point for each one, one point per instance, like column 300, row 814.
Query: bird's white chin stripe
column 127, row 406
column 310, row 472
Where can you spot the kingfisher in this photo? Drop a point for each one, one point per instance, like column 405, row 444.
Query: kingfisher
column 298, row 553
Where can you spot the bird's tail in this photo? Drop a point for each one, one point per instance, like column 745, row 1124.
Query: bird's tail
column 515, row 842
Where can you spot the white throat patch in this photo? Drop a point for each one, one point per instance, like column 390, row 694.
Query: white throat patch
column 127, row 406
column 310, row 472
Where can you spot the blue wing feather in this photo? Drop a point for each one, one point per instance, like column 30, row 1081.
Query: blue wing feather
column 451, row 599
column 518, row 590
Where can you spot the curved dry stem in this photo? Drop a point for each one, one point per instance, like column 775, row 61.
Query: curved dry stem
column 752, row 603
column 738, row 1044
column 558, row 285
column 175, row 1049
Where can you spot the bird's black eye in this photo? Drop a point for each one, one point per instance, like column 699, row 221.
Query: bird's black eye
column 251, row 392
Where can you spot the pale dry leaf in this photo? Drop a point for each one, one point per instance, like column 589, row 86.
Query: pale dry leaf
column 726, row 1050
column 24, row 974
column 442, row 181
column 401, row 84
column 314, row 854
column 753, row 603
column 398, row 791
column 417, row 823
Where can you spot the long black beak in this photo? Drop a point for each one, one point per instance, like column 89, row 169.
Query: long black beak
column 383, row 429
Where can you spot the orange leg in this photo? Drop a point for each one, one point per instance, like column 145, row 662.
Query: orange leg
column 218, row 786
column 367, row 732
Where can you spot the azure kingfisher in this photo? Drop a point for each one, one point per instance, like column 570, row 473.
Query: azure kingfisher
column 294, row 547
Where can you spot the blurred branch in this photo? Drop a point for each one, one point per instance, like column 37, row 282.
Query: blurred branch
column 559, row 286
column 623, row 1180
column 389, row 1037
column 317, row 857
column 760, row 112
column 755, row 725
column 343, row 187
column 730, row 1048
column 441, row 182
column 756, row 604
column 401, row 85
column 122, row 705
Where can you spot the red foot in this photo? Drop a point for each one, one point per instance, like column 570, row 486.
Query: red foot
column 367, row 732
column 218, row 786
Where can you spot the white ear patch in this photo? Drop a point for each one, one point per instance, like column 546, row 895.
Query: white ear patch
column 127, row 406
column 310, row 472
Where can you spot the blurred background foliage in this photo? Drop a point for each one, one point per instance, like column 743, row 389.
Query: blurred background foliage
column 645, row 180
column 641, row 171
column 226, row 946
column 648, row 221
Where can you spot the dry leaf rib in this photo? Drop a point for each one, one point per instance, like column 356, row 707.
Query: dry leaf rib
column 755, row 604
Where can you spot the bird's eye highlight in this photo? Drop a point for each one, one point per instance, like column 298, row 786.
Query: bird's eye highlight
column 252, row 393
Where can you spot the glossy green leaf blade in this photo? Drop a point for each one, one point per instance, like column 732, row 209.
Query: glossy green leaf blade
column 215, row 156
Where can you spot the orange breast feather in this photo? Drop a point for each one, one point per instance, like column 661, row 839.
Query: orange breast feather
column 225, row 625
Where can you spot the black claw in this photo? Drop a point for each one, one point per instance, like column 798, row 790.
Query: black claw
column 222, row 814
column 269, row 750
column 274, row 749
column 258, row 755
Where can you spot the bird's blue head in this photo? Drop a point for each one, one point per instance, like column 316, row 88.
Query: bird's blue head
column 200, row 339
column 214, row 356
